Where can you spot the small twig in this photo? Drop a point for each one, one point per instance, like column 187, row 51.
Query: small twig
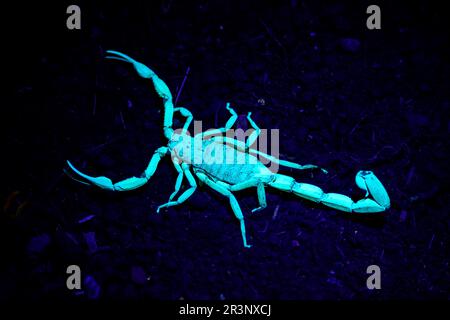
column 272, row 36
column 430, row 244
column 375, row 157
column 277, row 41
column 410, row 175
column 340, row 252
column 123, row 121
column 356, row 126
column 85, row 219
column 182, row 85
column 275, row 213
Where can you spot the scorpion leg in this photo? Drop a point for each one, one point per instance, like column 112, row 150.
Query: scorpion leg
column 233, row 202
column 227, row 127
column 297, row 166
column 250, row 140
column 185, row 195
column 286, row 163
column 366, row 180
column 261, row 197
column 242, row 147
column 261, row 192
column 187, row 114
column 254, row 135
column 178, row 182
column 127, row 184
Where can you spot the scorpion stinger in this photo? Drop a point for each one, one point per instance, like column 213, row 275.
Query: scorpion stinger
column 207, row 157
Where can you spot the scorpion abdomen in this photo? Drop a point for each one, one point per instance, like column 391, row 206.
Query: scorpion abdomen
column 231, row 165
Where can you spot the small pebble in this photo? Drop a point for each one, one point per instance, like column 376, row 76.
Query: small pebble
column 39, row 243
column 350, row 44
column 403, row 215
column 91, row 242
column 92, row 287
column 138, row 275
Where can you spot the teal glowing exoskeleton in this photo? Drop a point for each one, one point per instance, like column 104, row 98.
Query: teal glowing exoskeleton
column 227, row 177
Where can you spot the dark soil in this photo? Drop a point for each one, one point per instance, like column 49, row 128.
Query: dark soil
column 344, row 97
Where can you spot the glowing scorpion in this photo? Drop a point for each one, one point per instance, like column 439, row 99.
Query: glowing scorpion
column 243, row 172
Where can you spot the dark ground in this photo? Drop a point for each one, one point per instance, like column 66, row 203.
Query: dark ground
column 379, row 102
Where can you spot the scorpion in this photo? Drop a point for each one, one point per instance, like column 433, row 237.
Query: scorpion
column 227, row 178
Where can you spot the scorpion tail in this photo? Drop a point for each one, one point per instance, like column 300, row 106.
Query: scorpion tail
column 160, row 86
column 366, row 180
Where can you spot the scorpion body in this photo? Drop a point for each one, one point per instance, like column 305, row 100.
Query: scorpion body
column 240, row 169
column 228, row 165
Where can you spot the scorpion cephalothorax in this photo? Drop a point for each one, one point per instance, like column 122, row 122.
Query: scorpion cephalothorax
column 203, row 156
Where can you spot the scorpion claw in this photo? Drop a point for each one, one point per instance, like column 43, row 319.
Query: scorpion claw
column 116, row 58
column 120, row 56
column 142, row 70
column 102, row 182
